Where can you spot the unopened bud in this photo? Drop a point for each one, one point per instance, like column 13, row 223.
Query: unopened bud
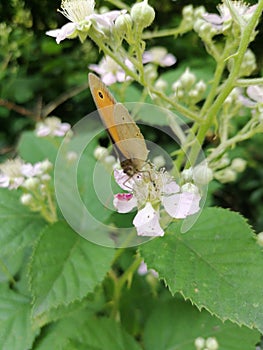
column 160, row 85
column 260, row 239
column 142, row 14
column 123, row 23
column 202, row 174
column 31, row 183
column 26, row 199
column 211, row 343
column 238, row 165
column 100, row 153
column 199, row 343
column 187, row 79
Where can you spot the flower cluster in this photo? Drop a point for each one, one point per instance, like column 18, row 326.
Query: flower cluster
column 187, row 90
column 150, row 191
column 226, row 170
column 35, row 182
column 110, row 72
column 52, row 126
column 82, row 17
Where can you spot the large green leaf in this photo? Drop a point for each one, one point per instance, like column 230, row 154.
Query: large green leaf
column 65, row 267
column 217, row 264
column 16, row 330
column 19, row 226
column 176, row 324
column 34, row 149
column 82, row 331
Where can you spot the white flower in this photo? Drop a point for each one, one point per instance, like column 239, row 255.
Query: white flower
column 16, row 173
column 148, row 191
column 110, row 72
column 159, row 55
column 52, row 126
column 81, row 15
column 223, row 21
column 11, row 175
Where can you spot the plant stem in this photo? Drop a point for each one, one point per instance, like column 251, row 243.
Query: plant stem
column 229, row 84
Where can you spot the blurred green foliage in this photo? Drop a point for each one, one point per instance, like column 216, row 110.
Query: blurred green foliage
column 35, row 72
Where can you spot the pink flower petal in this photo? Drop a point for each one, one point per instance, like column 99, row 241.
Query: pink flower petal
column 124, row 202
column 171, row 188
column 168, row 60
column 147, row 222
column 4, row 180
column 255, row 92
column 212, row 18
column 108, row 78
column 180, row 205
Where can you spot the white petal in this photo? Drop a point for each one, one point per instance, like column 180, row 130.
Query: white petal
column 147, row 222
column 62, row 33
column 180, row 205
column 124, row 202
column 123, row 180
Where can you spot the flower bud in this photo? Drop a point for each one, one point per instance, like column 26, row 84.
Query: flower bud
column 100, row 152
column 26, row 199
column 46, row 165
column 238, row 165
column 123, row 23
column 31, row 183
column 187, row 79
column 199, row 343
column 109, row 160
column 159, row 161
column 187, row 175
column 226, row 175
column 150, row 72
column 200, row 86
column 160, row 85
column 260, row 239
column 202, row 174
column 142, row 14
column 177, row 86
column 71, row 156
column 45, row 177
column 199, row 11
column 188, row 11
column 211, row 343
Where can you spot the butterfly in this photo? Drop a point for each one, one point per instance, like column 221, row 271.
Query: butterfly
column 125, row 135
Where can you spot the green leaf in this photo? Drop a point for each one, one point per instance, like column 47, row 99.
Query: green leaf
column 87, row 332
column 19, row 226
column 65, row 267
column 176, row 325
column 44, row 148
column 16, row 330
column 217, row 264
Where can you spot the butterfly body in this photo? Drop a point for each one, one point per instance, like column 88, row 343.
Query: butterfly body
column 126, row 137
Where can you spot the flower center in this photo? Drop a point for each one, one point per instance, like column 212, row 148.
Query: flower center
column 77, row 10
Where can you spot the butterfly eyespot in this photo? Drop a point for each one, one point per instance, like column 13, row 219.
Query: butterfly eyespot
column 100, row 94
